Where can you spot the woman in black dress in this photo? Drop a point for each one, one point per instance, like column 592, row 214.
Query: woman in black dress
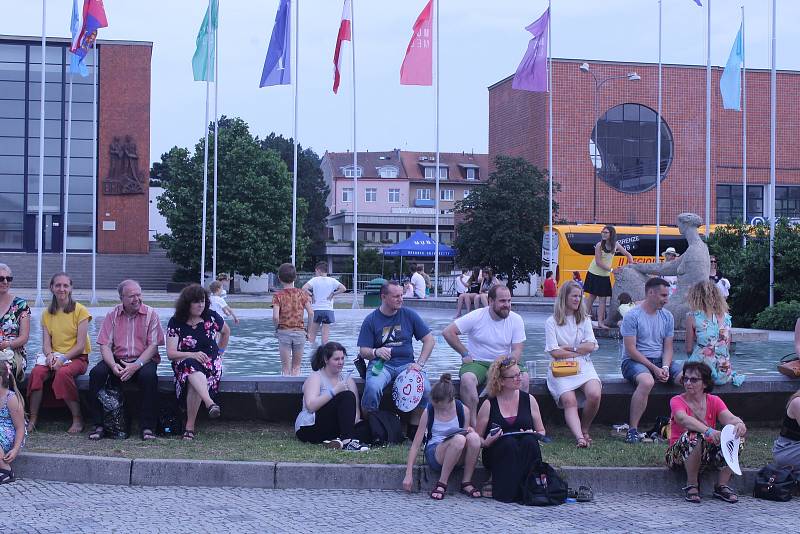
column 508, row 458
column 195, row 354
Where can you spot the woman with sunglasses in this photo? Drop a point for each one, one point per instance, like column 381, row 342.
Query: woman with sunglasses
column 694, row 442
column 569, row 337
column 509, row 423
column 15, row 323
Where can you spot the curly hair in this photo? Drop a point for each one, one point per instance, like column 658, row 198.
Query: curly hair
column 706, row 297
column 494, row 376
column 190, row 294
column 705, row 374
column 324, row 353
column 560, row 309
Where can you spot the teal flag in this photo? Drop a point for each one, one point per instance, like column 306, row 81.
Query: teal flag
column 203, row 59
column 730, row 84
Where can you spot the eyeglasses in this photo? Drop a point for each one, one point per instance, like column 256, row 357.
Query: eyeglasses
column 713, row 261
column 512, row 377
column 691, row 379
column 6, row 279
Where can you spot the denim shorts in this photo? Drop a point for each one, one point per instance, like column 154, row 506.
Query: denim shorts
column 324, row 317
column 631, row 368
column 430, row 456
column 293, row 339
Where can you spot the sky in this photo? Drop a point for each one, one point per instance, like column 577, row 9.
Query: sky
column 481, row 43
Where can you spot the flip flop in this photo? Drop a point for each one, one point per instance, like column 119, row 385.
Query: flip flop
column 98, row 433
column 147, row 435
column 188, row 435
column 214, row 411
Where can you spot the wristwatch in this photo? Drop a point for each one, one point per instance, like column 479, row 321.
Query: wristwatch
column 465, row 355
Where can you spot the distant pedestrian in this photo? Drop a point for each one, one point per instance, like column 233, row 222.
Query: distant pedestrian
column 287, row 314
column 218, row 302
column 488, row 282
column 417, row 283
column 470, row 296
column 549, row 285
column 598, row 278
column 576, row 277
column 322, row 289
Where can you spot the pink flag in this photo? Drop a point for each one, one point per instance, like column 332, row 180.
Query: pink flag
column 344, row 35
column 531, row 74
column 417, row 68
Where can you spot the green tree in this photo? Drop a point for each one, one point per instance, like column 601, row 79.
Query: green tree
column 370, row 261
column 254, row 190
column 311, row 187
column 504, row 220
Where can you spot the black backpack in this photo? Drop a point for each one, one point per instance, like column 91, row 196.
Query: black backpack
column 774, row 483
column 543, row 486
column 384, row 427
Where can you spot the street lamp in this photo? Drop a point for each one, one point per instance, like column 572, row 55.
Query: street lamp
column 631, row 77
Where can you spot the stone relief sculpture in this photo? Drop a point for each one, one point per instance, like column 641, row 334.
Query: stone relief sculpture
column 691, row 267
column 123, row 175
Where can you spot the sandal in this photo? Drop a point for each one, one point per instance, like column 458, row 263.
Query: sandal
column 214, row 411
column 725, row 493
column 473, row 493
column 188, row 435
column 692, row 496
column 439, row 489
column 486, row 490
column 582, row 443
column 98, row 433
column 6, row 476
column 147, row 435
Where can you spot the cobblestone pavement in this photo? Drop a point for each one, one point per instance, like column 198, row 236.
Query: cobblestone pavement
column 38, row 506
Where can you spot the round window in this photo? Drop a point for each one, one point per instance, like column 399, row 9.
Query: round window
column 623, row 148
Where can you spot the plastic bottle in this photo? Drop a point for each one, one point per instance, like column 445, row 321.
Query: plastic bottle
column 377, row 367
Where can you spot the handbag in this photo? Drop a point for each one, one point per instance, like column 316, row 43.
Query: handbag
column 774, row 483
column 361, row 367
column 562, row 368
column 790, row 366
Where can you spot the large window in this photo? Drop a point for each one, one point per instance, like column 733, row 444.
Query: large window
column 394, row 196
column 729, row 202
column 446, row 194
column 423, row 194
column 787, row 201
column 430, row 173
column 347, row 194
column 623, row 148
column 370, row 194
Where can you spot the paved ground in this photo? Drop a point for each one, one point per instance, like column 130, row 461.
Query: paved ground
column 37, row 506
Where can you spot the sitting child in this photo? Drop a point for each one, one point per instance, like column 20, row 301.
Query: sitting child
column 626, row 304
column 12, row 423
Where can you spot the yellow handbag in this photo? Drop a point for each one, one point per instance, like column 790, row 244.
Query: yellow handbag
column 562, row 368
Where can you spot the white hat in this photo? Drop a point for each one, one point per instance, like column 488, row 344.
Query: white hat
column 671, row 250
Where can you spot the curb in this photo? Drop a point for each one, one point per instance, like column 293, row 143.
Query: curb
column 287, row 475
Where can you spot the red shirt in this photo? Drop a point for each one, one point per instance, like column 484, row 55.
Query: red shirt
column 714, row 406
column 549, row 288
column 291, row 301
column 129, row 335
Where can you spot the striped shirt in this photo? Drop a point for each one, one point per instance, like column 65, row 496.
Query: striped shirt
column 129, row 335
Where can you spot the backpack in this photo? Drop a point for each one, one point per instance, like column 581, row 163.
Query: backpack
column 543, row 486
column 170, row 420
column 115, row 420
column 384, row 427
column 774, row 483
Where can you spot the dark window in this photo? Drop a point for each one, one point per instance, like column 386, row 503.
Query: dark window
column 626, row 143
column 636, row 244
column 729, row 202
column 787, row 201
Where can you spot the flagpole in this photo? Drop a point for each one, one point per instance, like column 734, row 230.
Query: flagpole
column 39, row 221
column 205, row 153
column 438, row 170
column 550, row 131
column 772, row 142
column 66, row 177
column 708, row 118
column 355, row 158
column 744, row 135
column 294, row 128
column 658, row 146
column 94, row 180
column 216, row 149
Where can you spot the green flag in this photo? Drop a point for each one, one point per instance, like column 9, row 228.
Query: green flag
column 203, row 59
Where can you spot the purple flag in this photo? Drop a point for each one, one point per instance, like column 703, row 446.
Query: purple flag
column 698, row 2
column 531, row 74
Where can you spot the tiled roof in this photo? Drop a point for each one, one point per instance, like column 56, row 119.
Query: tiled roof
column 411, row 165
column 370, row 162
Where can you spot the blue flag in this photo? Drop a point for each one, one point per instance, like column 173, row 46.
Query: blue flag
column 730, row 84
column 77, row 64
column 698, row 3
column 277, row 64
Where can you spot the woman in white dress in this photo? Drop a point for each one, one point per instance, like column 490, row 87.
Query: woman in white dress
column 569, row 337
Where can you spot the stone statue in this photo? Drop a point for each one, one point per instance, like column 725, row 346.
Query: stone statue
column 691, row 267
column 123, row 175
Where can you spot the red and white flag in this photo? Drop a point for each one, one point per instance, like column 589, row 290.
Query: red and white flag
column 417, row 67
column 344, row 35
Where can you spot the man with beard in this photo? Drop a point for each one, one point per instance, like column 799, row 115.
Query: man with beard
column 491, row 331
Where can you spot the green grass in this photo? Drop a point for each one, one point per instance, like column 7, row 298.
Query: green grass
column 270, row 442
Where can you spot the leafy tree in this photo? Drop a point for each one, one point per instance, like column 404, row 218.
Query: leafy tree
column 504, row 220
column 254, row 190
column 310, row 186
column 370, row 261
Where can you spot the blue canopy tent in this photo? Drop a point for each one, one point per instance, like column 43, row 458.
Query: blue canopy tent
column 419, row 245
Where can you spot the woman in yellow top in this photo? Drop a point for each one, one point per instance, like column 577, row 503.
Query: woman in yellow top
column 66, row 346
column 598, row 278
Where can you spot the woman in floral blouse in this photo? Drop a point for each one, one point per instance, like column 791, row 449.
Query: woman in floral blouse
column 15, row 323
column 708, row 332
column 195, row 354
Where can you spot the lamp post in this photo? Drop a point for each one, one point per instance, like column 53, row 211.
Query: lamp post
column 598, row 83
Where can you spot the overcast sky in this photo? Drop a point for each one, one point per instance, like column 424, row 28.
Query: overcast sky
column 481, row 43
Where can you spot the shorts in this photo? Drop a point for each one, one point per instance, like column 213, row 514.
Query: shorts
column 430, row 456
column 476, row 367
column 293, row 339
column 599, row 286
column 324, row 317
column 631, row 368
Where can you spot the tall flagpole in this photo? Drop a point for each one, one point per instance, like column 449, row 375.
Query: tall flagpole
column 355, row 158
column 550, row 132
column 744, row 134
column 66, row 177
column 39, row 221
column 438, row 170
column 216, row 149
column 658, row 146
column 94, row 179
column 294, row 127
column 708, row 118
column 772, row 141
column 205, row 153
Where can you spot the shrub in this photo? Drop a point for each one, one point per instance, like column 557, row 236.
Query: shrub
column 782, row 316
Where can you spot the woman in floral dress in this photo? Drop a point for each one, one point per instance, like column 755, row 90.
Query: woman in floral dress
column 708, row 332
column 15, row 323
column 195, row 354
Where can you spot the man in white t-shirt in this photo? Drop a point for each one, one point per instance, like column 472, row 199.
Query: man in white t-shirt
column 491, row 331
column 418, row 281
column 322, row 289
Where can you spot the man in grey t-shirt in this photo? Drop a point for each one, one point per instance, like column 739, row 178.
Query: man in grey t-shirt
column 647, row 333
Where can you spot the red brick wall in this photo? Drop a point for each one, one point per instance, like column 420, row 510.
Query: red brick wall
column 124, row 109
column 518, row 127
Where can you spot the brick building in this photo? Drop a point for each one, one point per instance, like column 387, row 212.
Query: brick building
column 626, row 145
column 123, row 149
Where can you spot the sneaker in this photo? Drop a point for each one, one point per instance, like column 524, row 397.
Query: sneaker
column 633, row 436
column 355, row 445
column 332, row 443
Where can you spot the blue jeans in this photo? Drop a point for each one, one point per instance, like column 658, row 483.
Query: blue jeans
column 375, row 384
column 631, row 368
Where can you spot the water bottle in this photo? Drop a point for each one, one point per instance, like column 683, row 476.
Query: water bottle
column 377, row 367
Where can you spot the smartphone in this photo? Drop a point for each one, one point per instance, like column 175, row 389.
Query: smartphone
column 495, row 429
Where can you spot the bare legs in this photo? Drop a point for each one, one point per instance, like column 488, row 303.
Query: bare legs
column 601, row 309
column 324, row 328
column 36, row 403
column 456, row 450
column 77, row 419
column 195, row 395
column 465, row 298
column 644, row 383
column 468, row 392
column 579, row 426
column 290, row 359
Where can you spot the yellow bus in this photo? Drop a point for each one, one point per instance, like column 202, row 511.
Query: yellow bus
column 573, row 246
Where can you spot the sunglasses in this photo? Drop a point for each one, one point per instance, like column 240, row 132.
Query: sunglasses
column 6, row 279
column 508, row 362
column 691, row 379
